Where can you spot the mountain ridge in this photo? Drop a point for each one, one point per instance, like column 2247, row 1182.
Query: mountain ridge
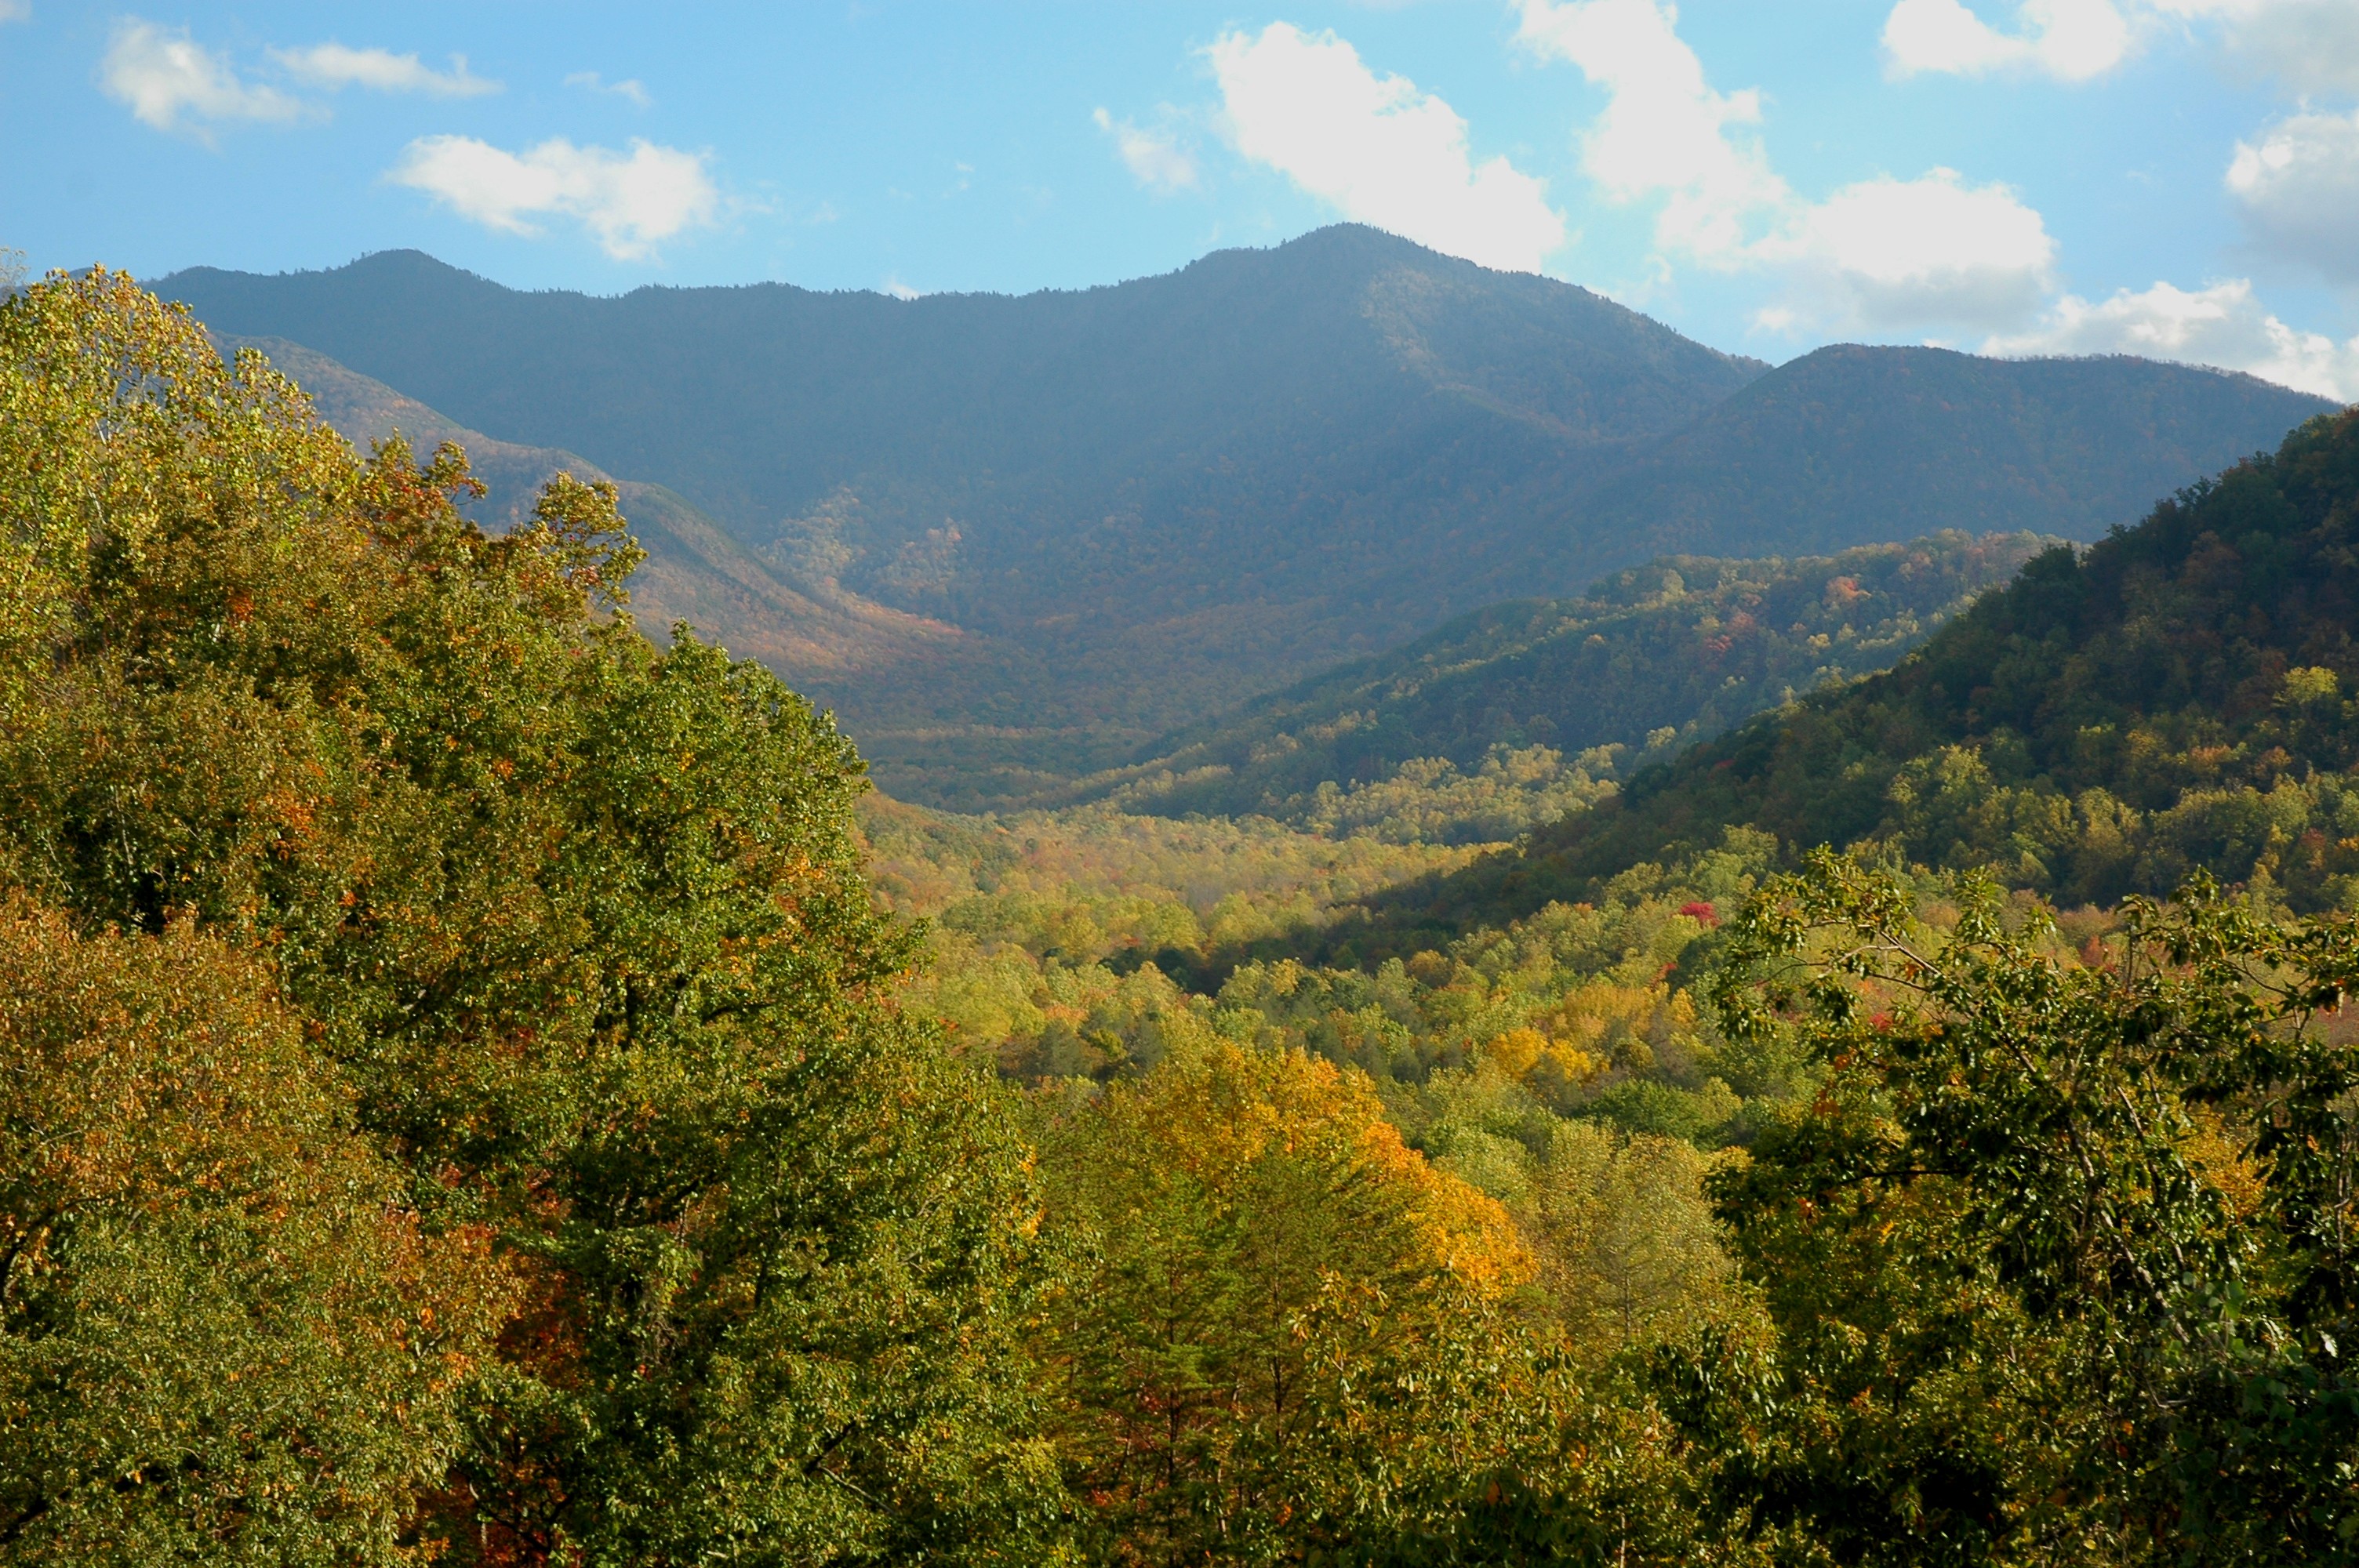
column 1644, row 662
column 1144, row 503
column 694, row 572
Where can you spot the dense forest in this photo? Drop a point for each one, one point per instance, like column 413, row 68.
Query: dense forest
column 2174, row 697
column 480, row 1085
column 1464, row 733
column 1013, row 541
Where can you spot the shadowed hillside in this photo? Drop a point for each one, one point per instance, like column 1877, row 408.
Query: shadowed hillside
column 1853, row 444
column 694, row 571
column 1649, row 660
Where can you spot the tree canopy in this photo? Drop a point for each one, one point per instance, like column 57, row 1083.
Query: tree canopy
column 575, row 924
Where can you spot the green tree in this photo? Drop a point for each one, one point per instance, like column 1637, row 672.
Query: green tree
column 224, row 1338
column 579, row 920
column 2060, row 1259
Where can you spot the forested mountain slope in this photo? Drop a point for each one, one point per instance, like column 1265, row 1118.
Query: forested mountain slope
column 1235, row 472
column 1646, row 661
column 1852, row 444
column 1140, row 504
column 2174, row 698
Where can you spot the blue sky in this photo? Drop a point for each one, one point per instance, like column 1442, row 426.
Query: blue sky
column 2171, row 176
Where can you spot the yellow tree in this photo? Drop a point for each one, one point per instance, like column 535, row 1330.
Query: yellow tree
column 1246, row 1216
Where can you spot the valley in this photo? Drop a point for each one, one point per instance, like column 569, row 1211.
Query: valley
column 1436, row 926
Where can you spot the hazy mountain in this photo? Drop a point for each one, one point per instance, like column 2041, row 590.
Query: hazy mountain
column 1141, row 503
column 1852, row 444
column 694, row 571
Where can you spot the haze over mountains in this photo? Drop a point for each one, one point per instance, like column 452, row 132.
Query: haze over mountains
column 1015, row 539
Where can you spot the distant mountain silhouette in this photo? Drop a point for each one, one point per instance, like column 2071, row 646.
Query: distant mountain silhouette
column 1137, row 504
column 1852, row 444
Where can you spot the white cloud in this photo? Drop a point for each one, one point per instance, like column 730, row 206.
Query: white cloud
column 167, row 81
column 630, row 87
column 2222, row 325
column 334, row 66
column 2311, row 45
column 629, row 201
column 1155, row 158
column 2298, row 186
column 1892, row 253
column 1882, row 252
column 1665, row 132
column 1377, row 150
column 16, row 10
column 2069, row 39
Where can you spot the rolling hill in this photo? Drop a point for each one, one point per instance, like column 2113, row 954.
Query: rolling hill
column 1647, row 661
column 1128, row 508
column 2176, row 695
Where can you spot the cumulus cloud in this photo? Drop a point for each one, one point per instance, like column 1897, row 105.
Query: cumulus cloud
column 2070, row 39
column 173, row 84
column 1665, row 132
column 1377, row 150
column 334, row 66
column 630, row 202
column 2298, row 188
column 1882, row 252
column 2222, row 325
column 2312, row 46
column 630, row 87
column 1155, row 158
column 1889, row 253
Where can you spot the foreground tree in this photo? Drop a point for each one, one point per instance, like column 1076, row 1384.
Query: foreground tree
column 224, row 1335
column 2060, row 1262
column 1287, row 1338
column 575, row 923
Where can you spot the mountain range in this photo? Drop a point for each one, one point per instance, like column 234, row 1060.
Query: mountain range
column 1017, row 540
